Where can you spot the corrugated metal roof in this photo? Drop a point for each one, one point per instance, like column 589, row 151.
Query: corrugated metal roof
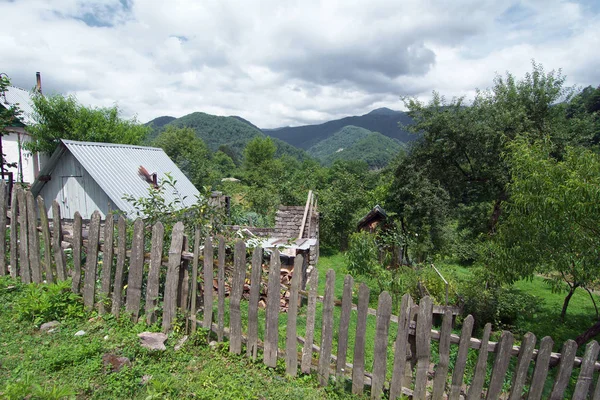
column 115, row 168
column 21, row 97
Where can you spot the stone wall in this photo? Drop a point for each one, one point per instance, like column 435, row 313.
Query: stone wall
column 289, row 219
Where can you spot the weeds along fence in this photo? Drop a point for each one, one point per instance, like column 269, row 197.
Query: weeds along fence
column 393, row 356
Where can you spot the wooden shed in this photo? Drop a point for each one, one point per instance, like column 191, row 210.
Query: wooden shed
column 86, row 176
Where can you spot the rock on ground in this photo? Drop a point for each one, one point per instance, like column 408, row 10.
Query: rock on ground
column 49, row 325
column 153, row 340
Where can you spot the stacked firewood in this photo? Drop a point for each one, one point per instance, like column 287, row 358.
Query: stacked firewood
column 284, row 291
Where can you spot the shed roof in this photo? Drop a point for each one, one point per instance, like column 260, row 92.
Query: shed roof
column 22, row 98
column 376, row 212
column 115, row 168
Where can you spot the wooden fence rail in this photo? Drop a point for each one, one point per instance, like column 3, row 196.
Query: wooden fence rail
column 404, row 366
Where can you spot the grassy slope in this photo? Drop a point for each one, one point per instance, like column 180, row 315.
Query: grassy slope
column 60, row 365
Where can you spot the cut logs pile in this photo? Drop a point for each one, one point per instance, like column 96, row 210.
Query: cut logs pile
column 284, row 291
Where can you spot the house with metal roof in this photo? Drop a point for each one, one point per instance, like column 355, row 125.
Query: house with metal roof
column 11, row 144
column 87, row 176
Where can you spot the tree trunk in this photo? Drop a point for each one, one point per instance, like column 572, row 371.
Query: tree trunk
column 588, row 334
column 563, row 313
column 502, row 197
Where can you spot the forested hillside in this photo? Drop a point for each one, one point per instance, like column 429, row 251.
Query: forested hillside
column 383, row 120
column 354, row 143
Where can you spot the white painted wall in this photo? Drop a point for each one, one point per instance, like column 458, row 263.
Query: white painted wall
column 31, row 163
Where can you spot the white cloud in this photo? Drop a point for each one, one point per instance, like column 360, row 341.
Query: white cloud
column 287, row 63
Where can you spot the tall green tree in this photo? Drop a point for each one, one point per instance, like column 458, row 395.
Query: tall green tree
column 59, row 117
column 552, row 220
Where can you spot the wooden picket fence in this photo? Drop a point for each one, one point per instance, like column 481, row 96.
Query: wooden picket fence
column 410, row 373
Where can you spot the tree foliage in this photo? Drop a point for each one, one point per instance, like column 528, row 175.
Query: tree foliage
column 59, row 117
column 8, row 117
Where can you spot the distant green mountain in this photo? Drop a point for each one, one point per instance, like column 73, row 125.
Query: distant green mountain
column 381, row 120
column 233, row 132
column 374, row 148
column 341, row 140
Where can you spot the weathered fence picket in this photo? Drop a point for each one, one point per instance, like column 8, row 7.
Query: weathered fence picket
column 91, row 262
column 412, row 348
column 272, row 312
column 117, row 298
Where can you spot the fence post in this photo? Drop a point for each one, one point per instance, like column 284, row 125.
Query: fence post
column 208, row 282
column 91, row 262
column 171, row 284
column 237, row 286
column 57, row 236
column 23, row 240
column 567, row 357
column 343, row 327
column 586, row 373
column 441, row 371
column 307, row 352
column 221, row 291
column 194, row 294
column 461, row 358
column 481, row 366
column 384, row 311
column 77, row 226
column 136, row 271
column 34, row 240
column 107, row 261
column 501, row 362
column 423, row 342
column 358, row 367
column 272, row 323
column 120, row 266
column 14, row 248
column 255, row 282
column 47, row 239
column 183, row 289
column 523, row 361
column 397, row 380
column 158, row 237
column 291, row 353
column 3, row 270
column 327, row 329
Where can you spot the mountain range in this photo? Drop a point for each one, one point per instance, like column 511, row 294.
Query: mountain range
column 375, row 137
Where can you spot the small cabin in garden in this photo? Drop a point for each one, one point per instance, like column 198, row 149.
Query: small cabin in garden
column 373, row 219
column 86, row 176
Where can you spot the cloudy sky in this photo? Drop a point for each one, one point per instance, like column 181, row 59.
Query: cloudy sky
column 288, row 62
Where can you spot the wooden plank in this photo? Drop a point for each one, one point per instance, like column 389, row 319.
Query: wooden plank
column 399, row 367
column 170, row 295
column 23, row 240
column 523, row 361
column 326, row 329
column 461, row 359
column 255, row 278
column 107, row 261
column 596, row 395
column 343, row 326
column 196, row 251
column 57, row 237
column 45, row 236
column 77, row 243
column 308, row 200
column 311, row 307
column 183, row 289
column 3, row 209
column 441, row 371
column 221, row 290
column 564, row 370
column 500, row 365
column 14, row 241
column 117, row 299
column 136, row 271
column 34, row 240
column 384, row 311
column 479, row 375
column 423, row 350
column 237, row 287
column 272, row 317
column 358, row 370
column 586, row 374
column 208, row 282
column 291, row 352
column 91, row 264
column 153, row 287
